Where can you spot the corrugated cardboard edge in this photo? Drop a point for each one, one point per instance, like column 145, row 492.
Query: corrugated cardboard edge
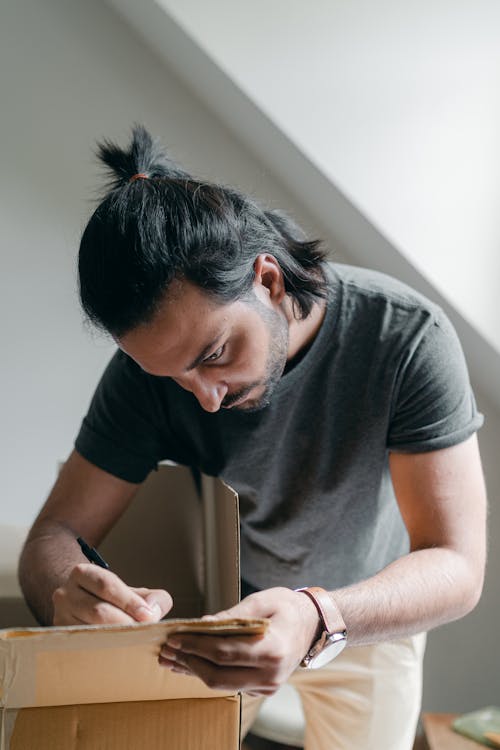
column 223, row 626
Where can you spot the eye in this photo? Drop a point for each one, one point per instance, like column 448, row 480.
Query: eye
column 216, row 355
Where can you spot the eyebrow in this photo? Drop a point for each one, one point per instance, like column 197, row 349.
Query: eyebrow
column 204, row 353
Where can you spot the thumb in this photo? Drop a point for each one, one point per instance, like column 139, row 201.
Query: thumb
column 158, row 600
column 253, row 606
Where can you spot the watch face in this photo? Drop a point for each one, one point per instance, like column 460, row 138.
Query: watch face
column 332, row 648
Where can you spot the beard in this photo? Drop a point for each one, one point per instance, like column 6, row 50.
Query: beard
column 277, row 327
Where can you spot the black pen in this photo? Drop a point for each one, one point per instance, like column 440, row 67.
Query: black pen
column 92, row 554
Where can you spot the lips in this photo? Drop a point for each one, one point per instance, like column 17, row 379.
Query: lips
column 244, row 397
column 236, row 403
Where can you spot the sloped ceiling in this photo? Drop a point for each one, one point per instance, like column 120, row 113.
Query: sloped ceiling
column 385, row 190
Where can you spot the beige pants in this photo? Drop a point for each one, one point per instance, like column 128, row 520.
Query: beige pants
column 368, row 698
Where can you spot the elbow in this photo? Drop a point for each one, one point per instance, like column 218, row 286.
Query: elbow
column 472, row 590
column 474, row 595
column 464, row 583
column 22, row 567
column 469, row 603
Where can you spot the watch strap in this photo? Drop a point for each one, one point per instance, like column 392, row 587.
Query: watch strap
column 329, row 613
column 334, row 629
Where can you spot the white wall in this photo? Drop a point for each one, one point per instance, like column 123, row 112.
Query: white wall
column 398, row 104
column 72, row 72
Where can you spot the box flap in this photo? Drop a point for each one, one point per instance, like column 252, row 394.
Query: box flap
column 171, row 537
column 158, row 541
column 100, row 664
column 222, row 545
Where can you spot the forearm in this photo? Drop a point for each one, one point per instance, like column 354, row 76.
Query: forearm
column 49, row 555
column 419, row 591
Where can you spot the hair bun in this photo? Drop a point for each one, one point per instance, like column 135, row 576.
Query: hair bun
column 144, row 156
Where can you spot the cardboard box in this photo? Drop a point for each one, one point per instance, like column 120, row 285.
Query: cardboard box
column 100, row 688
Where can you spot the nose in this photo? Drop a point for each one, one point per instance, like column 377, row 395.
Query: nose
column 209, row 394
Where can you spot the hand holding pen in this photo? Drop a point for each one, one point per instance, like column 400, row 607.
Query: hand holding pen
column 92, row 554
column 93, row 594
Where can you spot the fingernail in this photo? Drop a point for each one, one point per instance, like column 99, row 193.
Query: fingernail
column 165, row 664
column 143, row 612
column 178, row 670
column 174, row 642
column 168, row 654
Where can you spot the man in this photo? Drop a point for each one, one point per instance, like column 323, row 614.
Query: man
column 336, row 402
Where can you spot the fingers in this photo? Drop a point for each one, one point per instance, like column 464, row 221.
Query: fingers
column 93, row 595
column 68, row 620
column 228, row 662
column 238, row 651
column 109, row 588
column 79, row 607
column 229, row 678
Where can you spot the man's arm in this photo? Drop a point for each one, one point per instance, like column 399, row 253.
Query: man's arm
column 442, row 499
column 58, row 582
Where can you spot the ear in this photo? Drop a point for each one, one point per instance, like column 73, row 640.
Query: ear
column 269, row 278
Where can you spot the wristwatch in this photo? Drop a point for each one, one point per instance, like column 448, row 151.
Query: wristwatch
column 334, row 636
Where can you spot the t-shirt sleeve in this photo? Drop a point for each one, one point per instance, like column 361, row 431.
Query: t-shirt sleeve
column 124, row 430
column 433, row 406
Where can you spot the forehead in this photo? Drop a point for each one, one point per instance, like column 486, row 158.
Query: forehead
column 186, row 322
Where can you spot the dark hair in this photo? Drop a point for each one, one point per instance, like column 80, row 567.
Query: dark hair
column 157, row 223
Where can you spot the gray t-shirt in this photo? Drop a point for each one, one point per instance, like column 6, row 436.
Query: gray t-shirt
column 385, row 372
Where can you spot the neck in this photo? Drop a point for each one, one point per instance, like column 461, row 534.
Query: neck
column 303, row 332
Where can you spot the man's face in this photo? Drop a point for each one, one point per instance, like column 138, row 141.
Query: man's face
column 228, row 355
